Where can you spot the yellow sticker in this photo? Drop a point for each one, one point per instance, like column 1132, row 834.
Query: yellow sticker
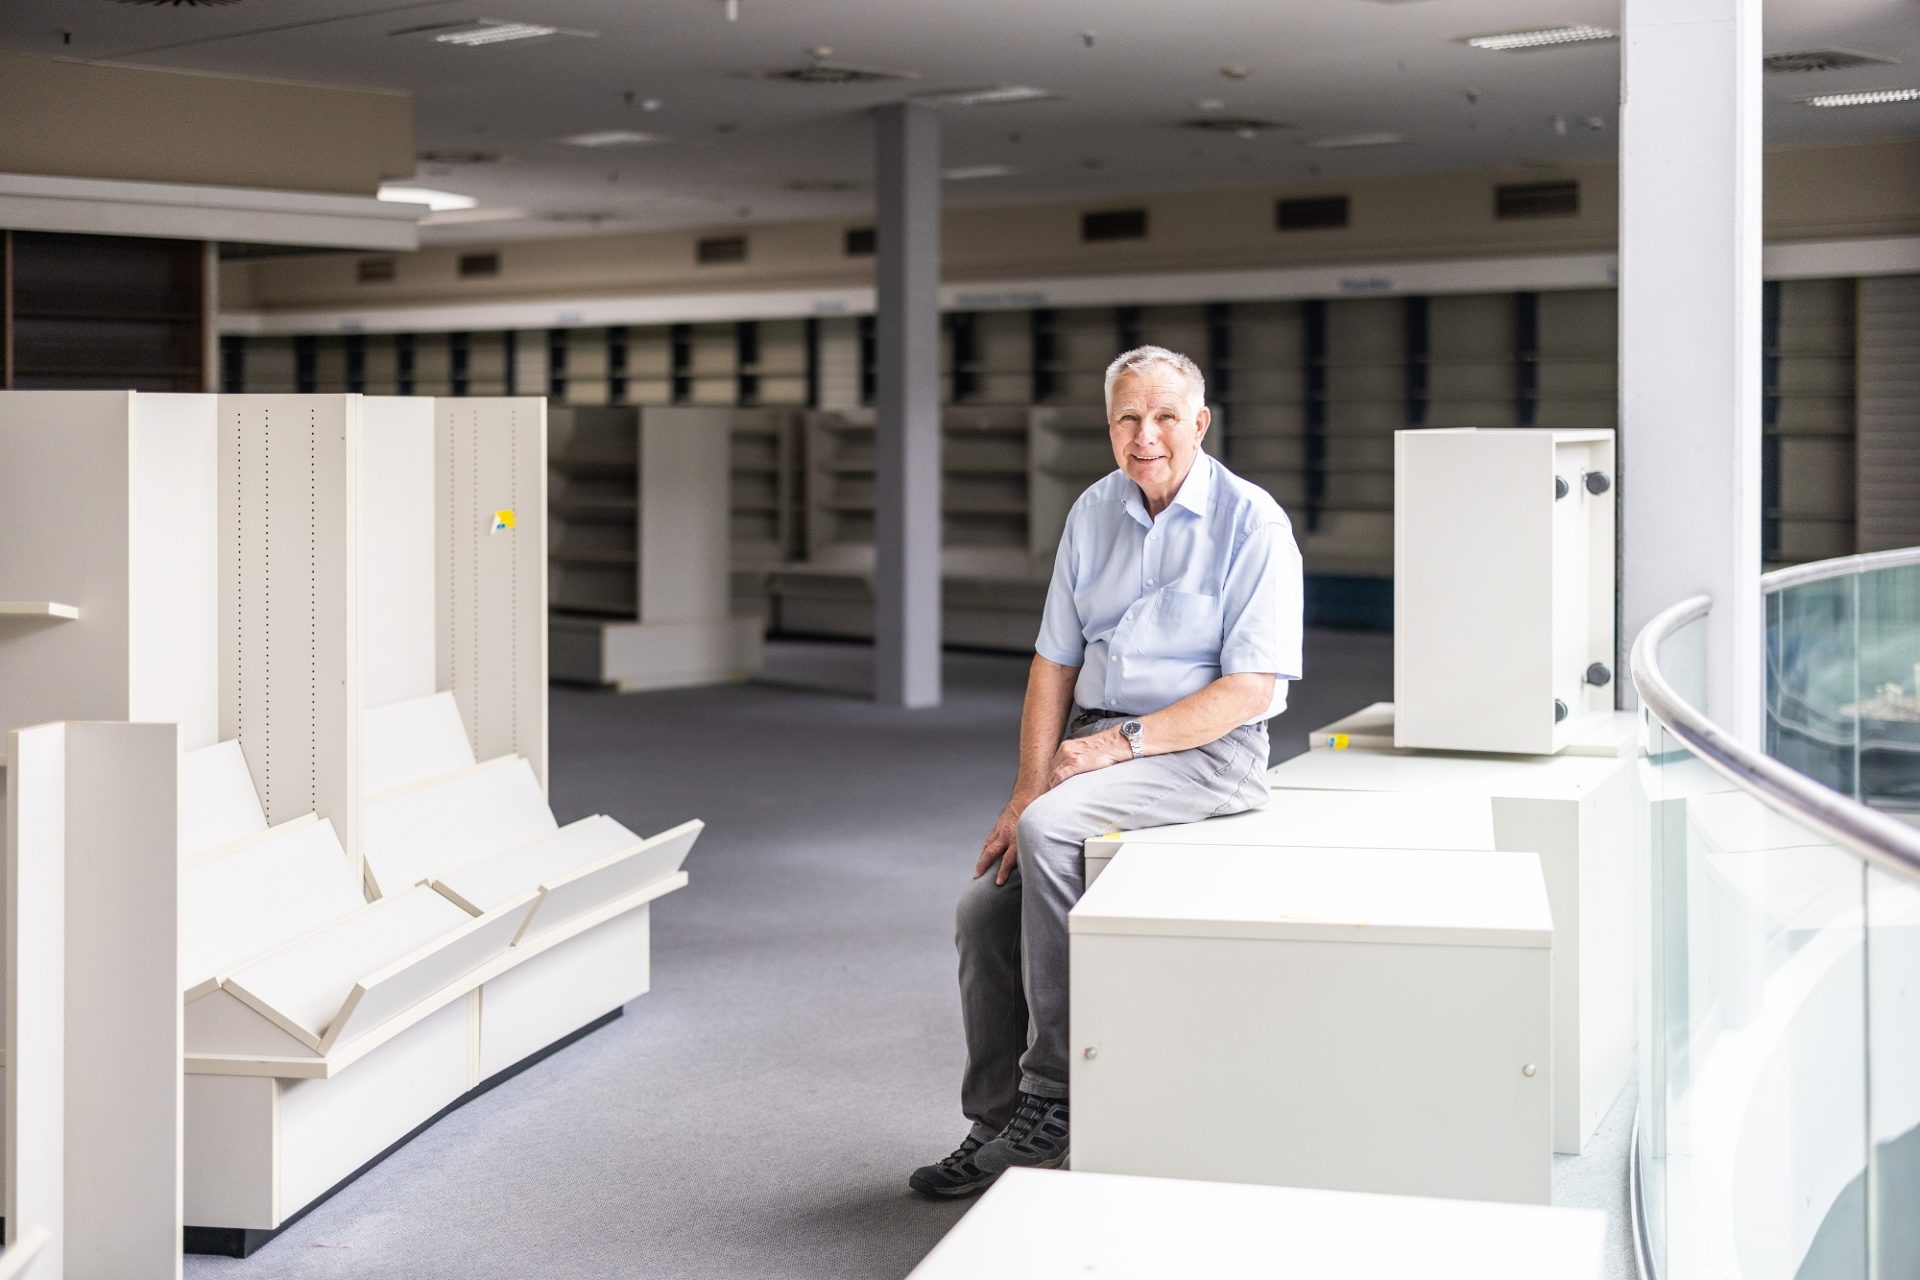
column 1337, row 741
column 502, row 521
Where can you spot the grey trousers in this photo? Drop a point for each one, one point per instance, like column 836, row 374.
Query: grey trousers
column 1013, row 937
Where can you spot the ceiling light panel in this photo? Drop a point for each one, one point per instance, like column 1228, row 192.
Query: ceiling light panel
column 968, row 173
column 1343, row 141
column 1543, row 38
column 611, row 138
column 1864, row 98
column 438, row 201
column 992, row 95
column 484, row 32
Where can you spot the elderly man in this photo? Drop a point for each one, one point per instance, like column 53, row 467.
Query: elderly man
column 1171, row 628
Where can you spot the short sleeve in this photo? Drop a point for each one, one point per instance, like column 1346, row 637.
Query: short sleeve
column 1261, row 605
column 1063, row 637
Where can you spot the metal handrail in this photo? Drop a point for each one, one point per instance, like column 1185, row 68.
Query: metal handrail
column 1875, row 838
column 1839, row 567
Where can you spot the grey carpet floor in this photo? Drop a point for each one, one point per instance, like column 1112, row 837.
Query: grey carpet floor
column 757, row 1113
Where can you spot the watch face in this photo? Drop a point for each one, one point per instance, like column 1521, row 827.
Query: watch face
column 1130, row 728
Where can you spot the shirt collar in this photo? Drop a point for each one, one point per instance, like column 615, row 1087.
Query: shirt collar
column 1193, row 494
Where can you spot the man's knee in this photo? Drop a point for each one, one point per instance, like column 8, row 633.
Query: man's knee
column 985, row 910
column 1049, row 840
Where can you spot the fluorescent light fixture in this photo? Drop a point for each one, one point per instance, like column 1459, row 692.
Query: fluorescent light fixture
column 610, row 138
column 438, row 201
column 461, row 217
column 1544, row 38
column 1357, row 140
column 486, row 31
column 1864, row 98
column 968, row 173
column 989, row 96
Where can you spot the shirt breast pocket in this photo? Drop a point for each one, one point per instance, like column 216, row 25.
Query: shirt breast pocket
column 1183, row 624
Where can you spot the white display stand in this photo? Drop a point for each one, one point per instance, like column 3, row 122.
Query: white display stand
column 1322, row 819
column 1503, row 587
column 364, row 596
column 93, row 1009
column 1353, row 1019
column 1040, row 1225
column 643, row 512
column 1579, row 815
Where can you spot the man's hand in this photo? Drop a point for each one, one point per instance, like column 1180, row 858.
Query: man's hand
column 1002, row 845
column 1084, row 755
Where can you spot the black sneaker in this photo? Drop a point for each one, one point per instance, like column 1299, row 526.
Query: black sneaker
column 955, row 1176
column 1036, row 1137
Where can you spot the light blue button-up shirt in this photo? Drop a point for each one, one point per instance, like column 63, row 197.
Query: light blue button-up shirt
column 1153, row 610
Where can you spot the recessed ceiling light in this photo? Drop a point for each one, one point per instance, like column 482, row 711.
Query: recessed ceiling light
column 1210, row 104
column 438, row 201
column 1357, row 140
column 1543, row 38
column 968, row 173
column 610, row 138
column 1865, row 98
column 988, row 96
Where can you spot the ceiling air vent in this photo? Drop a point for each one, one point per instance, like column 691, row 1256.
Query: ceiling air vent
column 1821, row 60
column 458, row 157
column 476, row 265
column 1536, row 200
column 822, row 72
column 1113, row 224
column 713, row 250
column 860, row 242
column 376, row 270
column 1311, row 213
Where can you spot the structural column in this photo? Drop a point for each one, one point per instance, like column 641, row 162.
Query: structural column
column 906, row 581
column 1690, row 332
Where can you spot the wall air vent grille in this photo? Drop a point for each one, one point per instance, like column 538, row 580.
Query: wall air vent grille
column 1311, row 213
column 860, row 242
column 1113, row 224
column 1536, row 200
column 458, row 157
column 474, row 265
column 376, row 270
column 1820, row 60
column 713, row 250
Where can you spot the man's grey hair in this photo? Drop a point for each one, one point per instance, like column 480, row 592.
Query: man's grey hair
column 1140, row 358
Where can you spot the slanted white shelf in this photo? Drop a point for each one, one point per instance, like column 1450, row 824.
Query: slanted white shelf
column 641, row 579
column 51, row 609
column 1610, row 735
column 1503, row 634
column 1365, row 1019
column 1580, row 815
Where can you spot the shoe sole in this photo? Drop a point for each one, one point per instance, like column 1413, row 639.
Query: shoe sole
column 952, row 1193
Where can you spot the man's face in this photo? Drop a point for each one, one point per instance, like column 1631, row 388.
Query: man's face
column 1155, row 432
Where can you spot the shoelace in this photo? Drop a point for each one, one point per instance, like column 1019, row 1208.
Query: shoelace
column 962, row 1154
column 1027, row 1117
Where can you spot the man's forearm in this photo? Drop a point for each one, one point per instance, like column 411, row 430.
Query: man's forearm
column 1208, row 714
column 1043, row 722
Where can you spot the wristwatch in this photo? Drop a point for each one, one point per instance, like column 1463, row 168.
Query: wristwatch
column 1132, row 732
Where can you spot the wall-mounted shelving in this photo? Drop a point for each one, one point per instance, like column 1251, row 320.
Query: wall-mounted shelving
column 102, row 313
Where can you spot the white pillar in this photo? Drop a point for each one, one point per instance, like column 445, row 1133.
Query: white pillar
column 1690, row 332
column 906, row 579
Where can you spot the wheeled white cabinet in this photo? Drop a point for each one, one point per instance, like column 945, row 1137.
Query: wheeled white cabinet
column 1579, row 813
column 1353, row 1019
column 1035, row 1224
column 1503, row 635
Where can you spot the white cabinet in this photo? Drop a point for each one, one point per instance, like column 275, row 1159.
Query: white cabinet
column 1503, row 587
column 1358, row 1020
column 1580, row 815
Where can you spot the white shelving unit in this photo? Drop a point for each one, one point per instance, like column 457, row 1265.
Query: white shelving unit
column 644, row 505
